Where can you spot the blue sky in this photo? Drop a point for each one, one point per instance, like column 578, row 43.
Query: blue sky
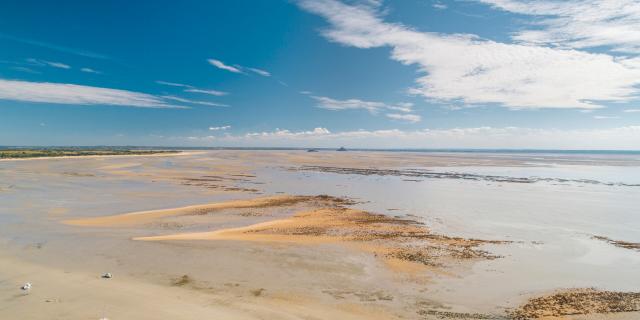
column 324, row 73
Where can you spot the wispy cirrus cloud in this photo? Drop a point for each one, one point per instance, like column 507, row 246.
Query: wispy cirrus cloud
column 463, row 68
column 173, row 84
column 190, row 88
column 209, row 92
column 89, row 70
column 73, row 94
column 36, row 43
column 220, row 65
column 238, row 68
column 40, row 62
column 631, row 110
column 578, row 23
column 204, row 103
column 25, row 69
column 260, row 72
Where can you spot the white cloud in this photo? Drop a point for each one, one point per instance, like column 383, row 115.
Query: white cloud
column 579, row 23
column 64, row 93
column 210, row 92
column 454, row 107
column 220, row 65
column 219, row 128
column 190, row 88
column 238, row 68
column 39, row 62
column 605, row 117
column 632, row 110
column 413, row 118
column 480, row 137
column 402, row 107
column 467, row 69
column 372, row 106
column 173, row 84
column 204, row 103
column 334, row 104
column 59, row 65
column 283, row 133
column 260, row 72
column 89, row 70
column 439, row 5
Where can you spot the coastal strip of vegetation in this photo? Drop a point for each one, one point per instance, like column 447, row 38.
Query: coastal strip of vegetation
column 23, row 153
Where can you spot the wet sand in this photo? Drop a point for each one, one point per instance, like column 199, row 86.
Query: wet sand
column 619, row 243
column 211, row 235
column 58, row 294
column 402, row 243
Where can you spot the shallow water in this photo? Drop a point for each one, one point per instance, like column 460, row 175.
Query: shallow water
column 551, row 225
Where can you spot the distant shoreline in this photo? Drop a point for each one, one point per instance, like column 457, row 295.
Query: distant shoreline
column 425, row 150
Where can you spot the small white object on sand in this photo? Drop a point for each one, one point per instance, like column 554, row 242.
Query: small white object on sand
column 107, row 275
column 26, row 287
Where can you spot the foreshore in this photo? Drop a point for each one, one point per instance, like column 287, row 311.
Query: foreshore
column 239, row 235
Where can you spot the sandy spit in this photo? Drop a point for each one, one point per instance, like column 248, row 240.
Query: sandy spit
column 405, row 245
column 140, row 217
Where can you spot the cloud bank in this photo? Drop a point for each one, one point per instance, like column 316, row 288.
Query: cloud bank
column 467, row 69
column 578, row 23
column 623, row 138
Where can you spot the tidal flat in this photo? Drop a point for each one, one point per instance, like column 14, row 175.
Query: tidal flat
column 277, row 234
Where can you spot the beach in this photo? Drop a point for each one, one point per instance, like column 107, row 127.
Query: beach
column 290, row 234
